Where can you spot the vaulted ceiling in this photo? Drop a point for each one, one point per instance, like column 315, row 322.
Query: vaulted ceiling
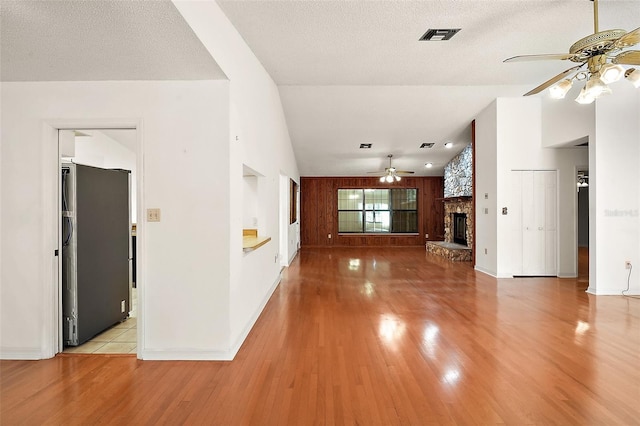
column 349, row 72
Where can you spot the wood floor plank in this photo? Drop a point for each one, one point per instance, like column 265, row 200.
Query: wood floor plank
column 372, row 336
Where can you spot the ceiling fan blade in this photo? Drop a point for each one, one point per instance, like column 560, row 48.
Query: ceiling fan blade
column 631, row 57
column 629, row 39
column 552, row 81
column 404, row 172
column 379, row 172
column 546, row 57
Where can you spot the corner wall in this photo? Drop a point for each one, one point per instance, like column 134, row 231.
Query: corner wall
column 519, row 146
column 614, row 199
column 259, row 139
column 184, row 128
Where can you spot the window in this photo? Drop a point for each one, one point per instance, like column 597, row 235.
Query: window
column 378, row 210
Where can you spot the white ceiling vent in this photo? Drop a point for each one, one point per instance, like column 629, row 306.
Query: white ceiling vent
column 439, row 35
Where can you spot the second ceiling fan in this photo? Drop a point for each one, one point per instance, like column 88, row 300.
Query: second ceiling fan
column 391, row 174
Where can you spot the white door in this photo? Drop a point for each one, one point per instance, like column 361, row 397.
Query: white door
column 539, row 211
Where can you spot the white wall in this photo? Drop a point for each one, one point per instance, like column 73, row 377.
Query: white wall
column 519, row 146
column 565, row 121
column 614, row 178
column 183, row 297
column 485, row 180
column 259, row 139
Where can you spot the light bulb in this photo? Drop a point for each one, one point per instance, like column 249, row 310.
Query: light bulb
column 584, row 98
column 610, row 73
column 633, row 76
column 398, row 178
column 428, row 165
column 560, row 90
column 389, row 178
column 382, row 179
column 595, row 87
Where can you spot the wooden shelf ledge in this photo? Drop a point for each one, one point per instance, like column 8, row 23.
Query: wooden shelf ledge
column 251, row 241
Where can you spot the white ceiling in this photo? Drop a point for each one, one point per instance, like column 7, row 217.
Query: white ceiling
column 354, row 72
column 99, row 40
column 349, row 72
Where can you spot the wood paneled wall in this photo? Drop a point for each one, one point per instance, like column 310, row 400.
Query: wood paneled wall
column 319, row 211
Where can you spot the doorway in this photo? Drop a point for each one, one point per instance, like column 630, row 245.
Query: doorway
column 582, row 184
column 98, row 153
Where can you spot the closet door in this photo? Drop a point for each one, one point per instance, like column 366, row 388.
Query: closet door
column 539, row 212
column 549, row 222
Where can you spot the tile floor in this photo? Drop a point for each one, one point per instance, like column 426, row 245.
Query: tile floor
column 119, row 339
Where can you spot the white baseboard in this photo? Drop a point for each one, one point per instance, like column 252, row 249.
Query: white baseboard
column 204, row 355
column 569, row 275
column 252, row 321
column 293, row 257
column 485, row 271
column 185, row 355
column 22, row 354
column 612, row 292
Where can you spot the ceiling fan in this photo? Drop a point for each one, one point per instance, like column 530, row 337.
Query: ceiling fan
column 391, row 174
column 602, row 54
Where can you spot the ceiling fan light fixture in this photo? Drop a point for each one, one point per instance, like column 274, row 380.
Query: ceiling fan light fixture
column 448, row 145
column 610, row 73
column 428, row 165
column 595, row 87
column 633, row 76
column 559, row 91
column 397, row 178
column 584, row 98
column 382, row 178
column 389, row 178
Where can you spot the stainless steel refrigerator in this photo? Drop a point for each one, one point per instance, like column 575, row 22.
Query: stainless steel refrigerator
column 96, row 235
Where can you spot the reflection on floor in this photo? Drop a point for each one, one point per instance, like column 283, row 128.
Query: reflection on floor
column 119, row 339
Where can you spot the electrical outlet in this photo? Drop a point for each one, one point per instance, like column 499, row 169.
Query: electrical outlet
column 426, row 235
column 122, row 306
column 627, row 264
column 329, row 236
column 485, row 251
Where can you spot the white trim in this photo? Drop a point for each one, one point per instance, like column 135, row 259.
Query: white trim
column 203, row 355
column 295, row 253
column 22, row 354
column 485, row 271
column 256, row 314
column 51, row 302
column 185, row 355
column 569, row 275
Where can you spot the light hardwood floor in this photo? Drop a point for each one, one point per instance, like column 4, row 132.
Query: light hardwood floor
column 380, row 336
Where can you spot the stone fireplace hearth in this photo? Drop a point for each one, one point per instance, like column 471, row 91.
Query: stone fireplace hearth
column 458, row 230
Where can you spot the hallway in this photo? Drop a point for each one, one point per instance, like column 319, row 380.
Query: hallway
column 371, row 336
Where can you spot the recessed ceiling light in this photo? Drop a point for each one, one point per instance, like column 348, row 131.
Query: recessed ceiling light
column 427, row 145
column 365, row 145
column 428, row 165
column 448, row 145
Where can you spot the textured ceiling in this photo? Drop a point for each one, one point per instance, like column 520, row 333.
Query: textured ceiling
column 349, row 72
column 354, row 72
column 100, row 40
column 376, row 42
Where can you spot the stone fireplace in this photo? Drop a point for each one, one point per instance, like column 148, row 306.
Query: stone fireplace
column 454, row 210
column 458, row 230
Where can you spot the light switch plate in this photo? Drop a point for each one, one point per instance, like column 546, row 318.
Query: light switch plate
column 153, row 215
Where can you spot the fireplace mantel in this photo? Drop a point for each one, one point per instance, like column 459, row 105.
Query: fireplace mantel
column 455, row 199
